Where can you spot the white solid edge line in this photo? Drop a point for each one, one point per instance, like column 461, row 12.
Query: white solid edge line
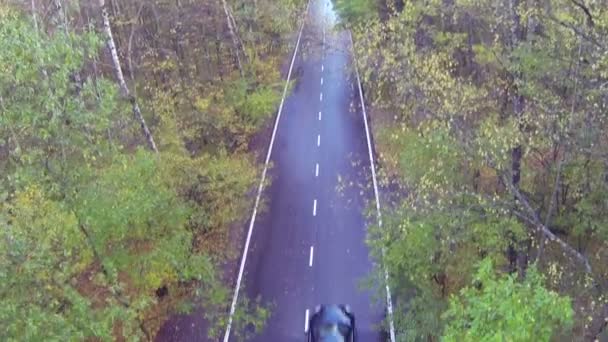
column 314, row 208
column 306, row 321
column 261, row 186
column 317, row 170
column 312, row 252
column 389, row 301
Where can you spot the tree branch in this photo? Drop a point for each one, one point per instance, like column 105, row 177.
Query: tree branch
column 586, row 10
column 542, row 228
column 130, row 46
column 576, row 31
column 116, row 292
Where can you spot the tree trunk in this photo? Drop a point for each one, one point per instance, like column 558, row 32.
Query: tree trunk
column 517, row 36
column 124, row 90
column 235, row 39
column 518, row 259
column 34, row 15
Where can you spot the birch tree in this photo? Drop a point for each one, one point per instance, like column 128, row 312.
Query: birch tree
column 233, row 34
column 124, row 89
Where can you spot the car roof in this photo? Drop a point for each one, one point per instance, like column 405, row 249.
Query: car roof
column 328, row 321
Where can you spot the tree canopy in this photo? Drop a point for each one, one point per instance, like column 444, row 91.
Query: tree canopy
column 489, row 118
column 104, row 235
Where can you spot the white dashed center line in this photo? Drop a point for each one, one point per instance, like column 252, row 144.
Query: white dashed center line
column 322, row 67
column 314, row 208
column 321, row 80
column 319, row 140
column 319, row 116
column 306, row 322
column 312, row 252
column 321, row 97
column 317, row 170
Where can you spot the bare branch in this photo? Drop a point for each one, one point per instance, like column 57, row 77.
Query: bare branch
column 577, row 31
column 130, row 44
column 586, row 10
column 542, row 228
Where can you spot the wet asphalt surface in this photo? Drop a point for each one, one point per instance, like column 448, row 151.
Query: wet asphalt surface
column 321, row 210
column 320, row 187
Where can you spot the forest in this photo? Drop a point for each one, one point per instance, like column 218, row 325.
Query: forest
column 491, row 129
column 132, row 137
column 130, row 132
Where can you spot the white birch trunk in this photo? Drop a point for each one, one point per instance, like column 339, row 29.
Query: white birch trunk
column 238, row 38
column 235, row 39
column 34, row 16
column 124, row 90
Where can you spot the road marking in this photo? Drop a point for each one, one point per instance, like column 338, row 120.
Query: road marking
column 322, row 67
column 389, row 301
column 317, row 170
column 314, row 208
column 319, row 115
column 306, row 322
column 321, row 80
column 321, row 97
column 319, row 140
column 312, row 252
column 237, row 288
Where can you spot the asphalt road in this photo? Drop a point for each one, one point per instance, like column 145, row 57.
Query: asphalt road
column 308, row 246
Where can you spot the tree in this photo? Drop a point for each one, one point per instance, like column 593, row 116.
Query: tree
column 124, row 89
column 490, row 124
column 357, row 11
column 109, row 238
column 497, row 309
column 235, row 39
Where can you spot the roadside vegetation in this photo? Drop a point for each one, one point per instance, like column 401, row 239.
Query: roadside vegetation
column 491, row 129
column 126, row 157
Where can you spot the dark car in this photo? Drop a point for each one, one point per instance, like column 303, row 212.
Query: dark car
column 332, row 323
